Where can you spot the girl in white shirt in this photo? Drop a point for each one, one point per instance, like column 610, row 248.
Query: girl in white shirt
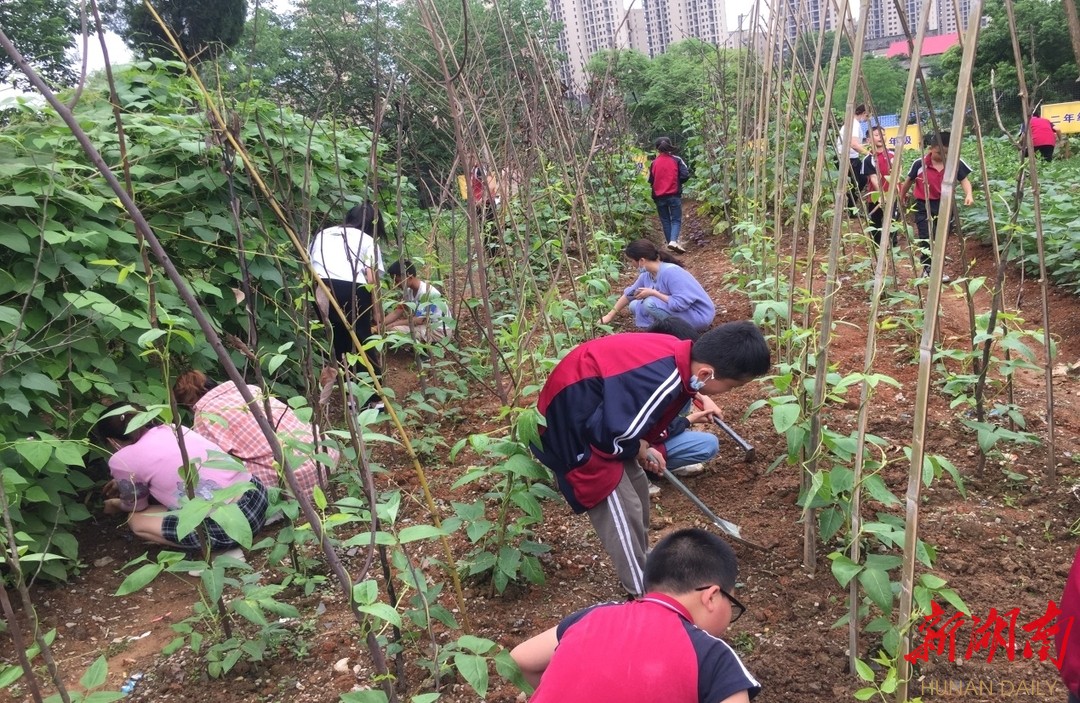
column 346, row 257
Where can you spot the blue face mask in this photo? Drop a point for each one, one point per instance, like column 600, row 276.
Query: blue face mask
column 697, row 384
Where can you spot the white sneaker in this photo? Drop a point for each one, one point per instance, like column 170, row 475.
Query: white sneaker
column 688, row 470
column 235, row 553
column 675, row 246
column 654, row 489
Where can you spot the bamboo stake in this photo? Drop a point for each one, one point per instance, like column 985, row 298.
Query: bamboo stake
column 926, row 356
column 1044, row 281
column 811, row 108
column 855, row 551
column 821, row 367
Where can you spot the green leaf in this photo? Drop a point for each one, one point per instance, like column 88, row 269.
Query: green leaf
column 139, row 578
column 147, row 339
column 507, row 668
column 275, row 362
column 231, row 519
column 865, row 694
column 36, row 452
column 18, row 201
column 370, row 696
column 953, row 599
column 365, row 592
column 173, row 646
column 476, row 645
column 863, row 670
column 474, row 670
column 249, row 612
column 104, row 697
column 96, row 674
column 382, row 611
column 830, row 520
column 876, row 488
column 190, row 516
column 9, row 675
column 413, row 533
column 39, row 382
column 785, row 416
column 876, row 584
column 932, row 582
column 843, row 568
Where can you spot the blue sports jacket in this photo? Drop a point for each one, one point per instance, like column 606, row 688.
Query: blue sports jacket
column 600, row 400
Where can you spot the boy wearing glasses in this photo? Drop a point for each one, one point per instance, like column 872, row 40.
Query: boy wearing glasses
column 665, row 646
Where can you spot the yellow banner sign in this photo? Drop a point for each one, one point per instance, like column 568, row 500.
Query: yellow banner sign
column 912, row 138
column 1065, row 116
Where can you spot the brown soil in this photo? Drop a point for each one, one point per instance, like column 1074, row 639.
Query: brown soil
column 1007, row 545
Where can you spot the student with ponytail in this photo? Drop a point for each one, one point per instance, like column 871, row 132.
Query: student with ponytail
column 663, row 289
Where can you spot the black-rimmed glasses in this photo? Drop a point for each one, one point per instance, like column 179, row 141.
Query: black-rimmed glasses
column 737, row 608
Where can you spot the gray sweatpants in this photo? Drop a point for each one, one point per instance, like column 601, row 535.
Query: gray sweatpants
column 622, row 523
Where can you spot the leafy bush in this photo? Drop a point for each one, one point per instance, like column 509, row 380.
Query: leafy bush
column 75, row 312
column 1059, row 207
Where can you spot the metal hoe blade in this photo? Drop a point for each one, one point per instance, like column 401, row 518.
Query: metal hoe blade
column 728, row 528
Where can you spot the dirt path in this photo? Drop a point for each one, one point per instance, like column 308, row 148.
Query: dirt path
column 1006, row 545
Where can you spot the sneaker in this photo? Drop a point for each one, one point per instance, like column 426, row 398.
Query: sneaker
column 688, row 470
column 234, row 553
column 946, row 278
column 654, row 489
column 675, row 246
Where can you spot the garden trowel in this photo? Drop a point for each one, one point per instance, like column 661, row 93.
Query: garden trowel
column 728, row 528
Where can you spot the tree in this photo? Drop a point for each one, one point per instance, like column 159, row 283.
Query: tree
column 677, row 81
column 324, row 57
column 204, row 28
column 43, row 31
column 619, row 78
column 884, row 77
column 623, row 68
column 806, row 48
column 1043, row 34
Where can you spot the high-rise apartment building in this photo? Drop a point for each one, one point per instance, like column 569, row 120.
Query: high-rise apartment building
column 588, row 26
column 651, row 26
column 804, row 16
column 947, row 16
column 669, row 21
column 884, row 22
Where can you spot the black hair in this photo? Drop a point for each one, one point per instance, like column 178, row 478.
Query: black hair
column 394, row 269
column 689, row 559
column 860, row 109
column 676, row 327
column 365, row 217
column 939, row 139
column 1037, row 112
column 644, row 249
column 735, row 350
column 663, row 145
column 115, row 426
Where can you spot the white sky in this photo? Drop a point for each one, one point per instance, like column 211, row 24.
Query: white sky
column 118, row 53
column 734, row 8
